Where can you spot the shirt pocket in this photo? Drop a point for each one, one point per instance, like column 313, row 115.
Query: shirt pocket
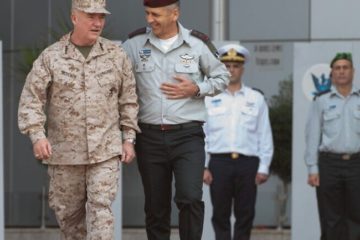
column 331, row 123
column 186, row 68
column 109, row 87
column 357, row 121
column 216, row 111
column 144, row 67
column 217, row 118
column 190, row 70
column 66, row 79
column 106, row 77
column 248, row 117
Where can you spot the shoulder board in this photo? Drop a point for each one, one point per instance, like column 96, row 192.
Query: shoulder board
column 318, row 94
column 258, row 90
column 205, row 38
column 139, row 31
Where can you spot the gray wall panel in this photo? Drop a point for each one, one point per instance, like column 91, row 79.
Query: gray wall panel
column 128, row 15
column 4, row 24
column 268, row 20
column 332, row 19
column 31, row 22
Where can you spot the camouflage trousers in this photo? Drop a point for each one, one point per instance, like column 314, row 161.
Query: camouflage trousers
column 81, row 196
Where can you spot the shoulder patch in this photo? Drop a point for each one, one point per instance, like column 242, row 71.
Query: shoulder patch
column 139, row 31
column 258, row 90
column 318, row 94
column 205, row 38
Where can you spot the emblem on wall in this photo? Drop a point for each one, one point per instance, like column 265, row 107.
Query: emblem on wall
column 316, row 80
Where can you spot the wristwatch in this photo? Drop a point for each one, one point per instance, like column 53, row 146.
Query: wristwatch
column 198, row 91
column 130, row 140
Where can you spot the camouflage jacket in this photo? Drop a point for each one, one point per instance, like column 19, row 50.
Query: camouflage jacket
column 84, row 102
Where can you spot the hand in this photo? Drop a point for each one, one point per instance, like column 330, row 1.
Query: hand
column 128, row 152
column 207, row 178
column 314, row 180
column 261, row 178
column 184, row 89
column 42, row 149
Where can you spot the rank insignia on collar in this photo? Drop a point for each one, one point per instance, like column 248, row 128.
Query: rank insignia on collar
column 144, row 54
column 186, row 59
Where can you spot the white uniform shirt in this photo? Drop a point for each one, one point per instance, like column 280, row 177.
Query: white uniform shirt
column 239, row 123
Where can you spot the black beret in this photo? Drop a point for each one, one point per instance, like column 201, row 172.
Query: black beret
column 158, row 3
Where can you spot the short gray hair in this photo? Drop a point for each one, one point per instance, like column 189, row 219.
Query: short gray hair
column 174, row 5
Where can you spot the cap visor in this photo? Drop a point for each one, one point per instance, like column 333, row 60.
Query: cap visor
column 97, row 10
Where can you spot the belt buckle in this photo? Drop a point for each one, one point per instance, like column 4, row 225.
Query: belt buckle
column 234, row 155
column 164, row 127
column 346, row 156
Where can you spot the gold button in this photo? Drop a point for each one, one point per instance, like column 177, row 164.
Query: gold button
column 234, row 155
column 346, row 157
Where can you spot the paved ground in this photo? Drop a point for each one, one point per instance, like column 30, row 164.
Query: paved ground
column 129, row 234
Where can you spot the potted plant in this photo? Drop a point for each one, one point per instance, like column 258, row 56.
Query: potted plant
column 281, row 123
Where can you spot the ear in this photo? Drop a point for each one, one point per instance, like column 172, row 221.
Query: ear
column 73, row 18
column 176, row 13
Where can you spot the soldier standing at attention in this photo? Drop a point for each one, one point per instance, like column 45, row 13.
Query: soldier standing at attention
column 84, row 89
column 174, row 69
column 333, row 152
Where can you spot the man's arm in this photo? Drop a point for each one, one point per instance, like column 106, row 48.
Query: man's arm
column 217, row 76
column 31, row 113
column 128, row 108
column 266, row 146
column 312, row 141
column 312, row 137
column 128, row 105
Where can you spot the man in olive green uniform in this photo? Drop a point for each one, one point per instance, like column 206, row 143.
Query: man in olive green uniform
column 333, row 152
column 84, row 89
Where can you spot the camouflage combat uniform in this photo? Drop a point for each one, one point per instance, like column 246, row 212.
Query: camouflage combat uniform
column 84, row 102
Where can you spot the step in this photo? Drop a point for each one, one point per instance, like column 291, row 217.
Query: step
column 129, row 234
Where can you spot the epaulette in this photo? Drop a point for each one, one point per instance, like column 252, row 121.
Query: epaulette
column 139, row 31
column 258, row 90
column 205, row 38
column 318, row 94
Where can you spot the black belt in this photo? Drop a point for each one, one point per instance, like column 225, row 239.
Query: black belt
column 168, row 127
column 342, row 156
column 233, row 155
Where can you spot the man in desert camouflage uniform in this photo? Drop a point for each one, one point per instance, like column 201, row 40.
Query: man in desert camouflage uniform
column 84, row 89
